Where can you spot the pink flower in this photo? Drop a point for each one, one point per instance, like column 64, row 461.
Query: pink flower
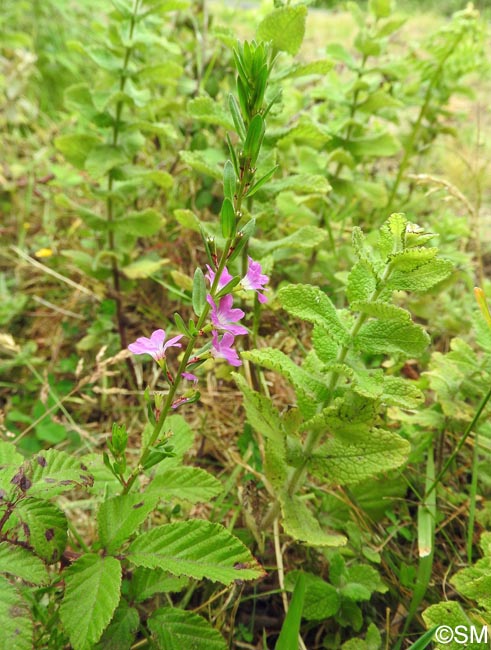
column 254, row 280
column 224, row 317
column 188, row 376
column 223, row 349
column 224, row 278
column 154, row 346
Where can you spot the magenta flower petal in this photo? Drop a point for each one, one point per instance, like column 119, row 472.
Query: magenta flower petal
column 224, row 317
column 188, row 376
column 154, row 346
column 224, row 278
column 255, row 280
column 222, row 349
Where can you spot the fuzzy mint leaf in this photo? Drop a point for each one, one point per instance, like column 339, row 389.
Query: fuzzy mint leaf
column 381, row 310
column 190, row 484
column 392, row 337
column 175, row 629
column 15, row 619
column 21, row 563
column 92, row 593
column 401, row 392
column 195, row 548
column 119, row 517
column 261, row 413
column 422, row 278
column 300, row 523
column 338, row 462
column 285, row 28
column 45, row 527
column 309, row 303
column 362, row 282
column 451, row 614
column 303, row 381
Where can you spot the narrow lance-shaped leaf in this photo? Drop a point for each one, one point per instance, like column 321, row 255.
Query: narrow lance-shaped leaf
column 227, row 219
column 229, row 181
column 199, row 292
column 254, row 139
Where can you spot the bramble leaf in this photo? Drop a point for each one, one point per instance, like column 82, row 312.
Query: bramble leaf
column 190, row 484
column 21, row 563
column 45, row 527
column 15, row 618
column 92, row 593
column 195, row 548
column 119, row 517
column 175, row 629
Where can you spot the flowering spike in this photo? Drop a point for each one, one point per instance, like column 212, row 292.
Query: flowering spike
column 222, row 349
column 254, row 280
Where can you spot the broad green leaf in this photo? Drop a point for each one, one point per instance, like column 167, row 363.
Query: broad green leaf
column 392, row 235
column 119, row 517
column 380, row 8
column 190, row 484
column 202, row 163
column 120, row 634
column 381, row 310
column 104, row 157
column 412, row 258
column 309, row 303
column 143, row 267
column 181, row 438
column 105, row 59
column 143, row 224
column 176, row 629
column 300, row 184
column 275, row 465
column 54, row 471
column 368, row 383
column 421, row 279
column 390, row 337
column 21, row 563
column 261, row 413
column 10, row 462
column 209, row 111
column 145, row 583
column 308, row 132
column 15, row 619
column 78, row 99
column 401, row 392
column 274, row 359
column 195, row 548
column 474, row 582
column 338, row 462
column 362, row 282
column 45, row 527
column 325, row 348
column 290, row 628
column 373, row 146
column 76, row 147
column 451, row 614
column 304, row 238
column 322, row 600
column 322, row 67
column 92, row 593
column 300, row 523
column 285, row 28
